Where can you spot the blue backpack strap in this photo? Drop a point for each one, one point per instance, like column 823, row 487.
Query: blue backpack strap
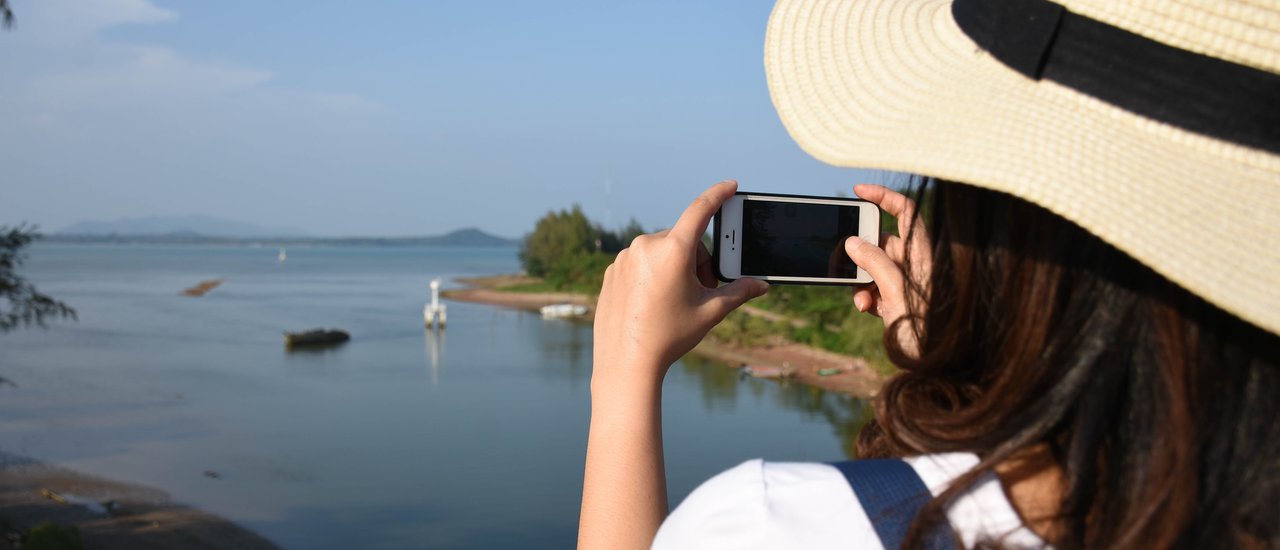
column 892, row 494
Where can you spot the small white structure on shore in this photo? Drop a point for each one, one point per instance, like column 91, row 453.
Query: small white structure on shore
column 433, row 313
column 560, row 311
column 281, row 257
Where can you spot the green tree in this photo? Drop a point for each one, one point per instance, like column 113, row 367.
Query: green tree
column 557, row 238
column 614, row 242
column 26, row 305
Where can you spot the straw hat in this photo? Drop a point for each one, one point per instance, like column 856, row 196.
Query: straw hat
column 1154, row 124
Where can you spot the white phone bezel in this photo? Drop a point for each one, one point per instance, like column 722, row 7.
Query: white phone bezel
column 729, row 236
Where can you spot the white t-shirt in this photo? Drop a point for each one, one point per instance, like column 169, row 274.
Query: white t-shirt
column 775, row 505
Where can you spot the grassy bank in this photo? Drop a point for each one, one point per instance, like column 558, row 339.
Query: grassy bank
column 817, row 317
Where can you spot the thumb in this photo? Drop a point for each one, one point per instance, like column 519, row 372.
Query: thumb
column 721, row 301
column 886, row 274
column 871, row 258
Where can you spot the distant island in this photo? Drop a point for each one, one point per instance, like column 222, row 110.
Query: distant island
column 461, row 237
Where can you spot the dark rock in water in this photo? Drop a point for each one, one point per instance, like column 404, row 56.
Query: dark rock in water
column 315, row 337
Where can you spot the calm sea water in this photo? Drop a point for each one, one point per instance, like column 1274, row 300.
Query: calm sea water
column 401, row 438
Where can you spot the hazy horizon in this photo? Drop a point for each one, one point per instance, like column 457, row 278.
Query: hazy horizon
column 395, row 118
column 206, row 226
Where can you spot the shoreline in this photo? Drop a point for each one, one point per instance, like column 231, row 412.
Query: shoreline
column 856, row 377
column 138, row 517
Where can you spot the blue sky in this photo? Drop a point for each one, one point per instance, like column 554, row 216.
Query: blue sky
column 387, row 118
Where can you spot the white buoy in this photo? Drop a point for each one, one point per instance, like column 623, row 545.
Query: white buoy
column 433, row 314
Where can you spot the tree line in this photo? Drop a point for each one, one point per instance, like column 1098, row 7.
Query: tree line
column 571, row 252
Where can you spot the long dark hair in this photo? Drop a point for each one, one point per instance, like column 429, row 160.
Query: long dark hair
column 1160, row 410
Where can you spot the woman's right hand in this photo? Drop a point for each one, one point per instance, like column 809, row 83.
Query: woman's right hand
column 887, row 296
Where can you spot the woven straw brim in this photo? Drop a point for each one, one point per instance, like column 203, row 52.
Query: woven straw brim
column 896, row 85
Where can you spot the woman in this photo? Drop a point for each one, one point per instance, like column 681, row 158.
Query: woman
column 1086, row 327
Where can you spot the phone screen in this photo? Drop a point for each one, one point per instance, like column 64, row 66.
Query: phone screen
column 797, row 239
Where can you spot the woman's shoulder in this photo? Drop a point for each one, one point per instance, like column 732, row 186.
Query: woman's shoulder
column 760, row 504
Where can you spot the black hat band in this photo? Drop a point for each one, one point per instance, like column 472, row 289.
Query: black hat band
column 1195, row 92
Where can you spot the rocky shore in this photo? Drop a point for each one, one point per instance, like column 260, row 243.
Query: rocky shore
column 109, row 515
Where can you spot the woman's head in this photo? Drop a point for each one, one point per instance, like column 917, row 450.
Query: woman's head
column 1106, row 291
column 1157, row 406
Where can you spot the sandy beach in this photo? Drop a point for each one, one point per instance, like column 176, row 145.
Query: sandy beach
column 853, row 375
column 110, row 515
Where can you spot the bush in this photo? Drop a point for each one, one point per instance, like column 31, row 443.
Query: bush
column 53, row 536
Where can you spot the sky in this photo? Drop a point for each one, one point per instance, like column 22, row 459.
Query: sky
column 388, row 118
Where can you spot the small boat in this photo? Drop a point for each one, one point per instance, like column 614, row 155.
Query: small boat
column 560, row 311
column 281, row 257
column 315, row 337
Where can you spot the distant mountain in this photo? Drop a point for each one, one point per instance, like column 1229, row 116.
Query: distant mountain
column 184, row 226
column 471, row 237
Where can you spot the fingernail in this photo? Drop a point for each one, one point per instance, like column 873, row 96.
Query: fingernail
column 852, row 243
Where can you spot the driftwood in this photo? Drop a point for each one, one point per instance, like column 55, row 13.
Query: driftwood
column 203, row 288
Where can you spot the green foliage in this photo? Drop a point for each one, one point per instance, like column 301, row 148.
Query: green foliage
column 614, row 242
column 26, row 306
column 558, row 236
column 54, row 536
column 748, row 330
column 580, row 272
column 570, row 252
column 862, row 335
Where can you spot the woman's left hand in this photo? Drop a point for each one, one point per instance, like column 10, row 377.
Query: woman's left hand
column 660, row 297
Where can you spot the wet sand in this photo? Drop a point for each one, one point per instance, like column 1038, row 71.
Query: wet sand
column 855, row 377
column 140, row 518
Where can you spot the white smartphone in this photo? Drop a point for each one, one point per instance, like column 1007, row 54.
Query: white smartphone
column 791, row 239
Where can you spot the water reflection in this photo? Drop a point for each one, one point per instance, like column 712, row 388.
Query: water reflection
column 435, row 349
column 721, row 384
column 717, row 382
column 565, row 345
column 566, row 352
